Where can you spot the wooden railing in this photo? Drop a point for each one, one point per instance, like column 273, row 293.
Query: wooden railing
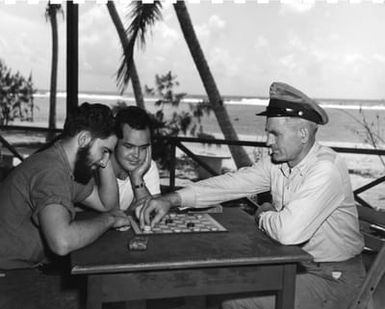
column 177, row 142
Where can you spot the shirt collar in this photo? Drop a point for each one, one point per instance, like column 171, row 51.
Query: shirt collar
column 299, row 168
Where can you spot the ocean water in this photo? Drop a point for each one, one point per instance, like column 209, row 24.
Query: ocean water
column 345, row 125
column 345, row 128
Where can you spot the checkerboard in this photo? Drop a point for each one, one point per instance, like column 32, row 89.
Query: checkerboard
column 174, row 223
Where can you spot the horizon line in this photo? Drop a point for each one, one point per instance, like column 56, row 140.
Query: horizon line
column 205, row 95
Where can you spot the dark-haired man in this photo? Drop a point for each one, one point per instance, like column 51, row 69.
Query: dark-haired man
column 37, row 198
column 137, row 174
column 313, row 204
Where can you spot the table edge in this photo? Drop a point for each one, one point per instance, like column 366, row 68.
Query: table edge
column 120, row 268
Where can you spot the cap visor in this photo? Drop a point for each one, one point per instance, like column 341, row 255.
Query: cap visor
column 264, row 113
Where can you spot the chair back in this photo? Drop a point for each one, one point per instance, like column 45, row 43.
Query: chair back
column 372, row 225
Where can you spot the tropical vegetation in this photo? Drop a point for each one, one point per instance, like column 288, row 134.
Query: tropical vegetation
column 132, row 73
column 145, row 15
column 16, row 96
column 169, row 119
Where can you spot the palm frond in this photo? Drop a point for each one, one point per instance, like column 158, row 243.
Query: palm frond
column 142, row 16
column 52, row 9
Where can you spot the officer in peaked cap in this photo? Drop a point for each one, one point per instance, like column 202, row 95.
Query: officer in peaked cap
column 312, row 203
column 286, row 101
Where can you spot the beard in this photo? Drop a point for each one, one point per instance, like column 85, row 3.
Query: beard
column 83, row 168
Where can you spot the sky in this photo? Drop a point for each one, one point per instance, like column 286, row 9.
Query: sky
column 329, row 49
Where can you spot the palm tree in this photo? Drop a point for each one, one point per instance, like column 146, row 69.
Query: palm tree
column 145, row 15
column 51, row 14
column 238, row 153
column 137, row 88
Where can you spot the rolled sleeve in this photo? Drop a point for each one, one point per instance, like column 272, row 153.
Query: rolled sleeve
column 187, row 196
column 51, row 187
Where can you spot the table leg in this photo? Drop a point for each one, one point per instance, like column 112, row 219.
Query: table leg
column 286, row 297
column 94, row 292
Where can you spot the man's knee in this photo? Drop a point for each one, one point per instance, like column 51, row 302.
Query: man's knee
column 228, row 304
column 232, row 304
column 262, row 302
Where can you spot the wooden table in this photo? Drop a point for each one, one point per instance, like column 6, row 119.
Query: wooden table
column 240, row 260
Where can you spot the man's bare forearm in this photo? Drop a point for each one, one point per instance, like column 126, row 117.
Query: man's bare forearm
column 64, row 235
column 140, row 190
column 108, row 187
column 173, row 198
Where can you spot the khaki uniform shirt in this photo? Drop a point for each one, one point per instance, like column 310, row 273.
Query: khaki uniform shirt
column 314, row 202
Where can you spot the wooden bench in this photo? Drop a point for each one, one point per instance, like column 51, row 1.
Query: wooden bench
column 372, row 291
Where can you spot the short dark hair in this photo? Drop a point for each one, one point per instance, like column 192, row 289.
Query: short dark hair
column 136, row 117
column 96, row 118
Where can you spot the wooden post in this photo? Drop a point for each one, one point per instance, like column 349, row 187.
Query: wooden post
column 72, row 56
column 172, row 164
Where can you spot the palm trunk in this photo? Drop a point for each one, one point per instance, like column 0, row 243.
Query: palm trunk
column 239, row 154
column 53, row 87
column 124, row 41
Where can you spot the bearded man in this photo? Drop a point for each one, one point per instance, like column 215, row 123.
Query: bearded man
column 37, row 199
